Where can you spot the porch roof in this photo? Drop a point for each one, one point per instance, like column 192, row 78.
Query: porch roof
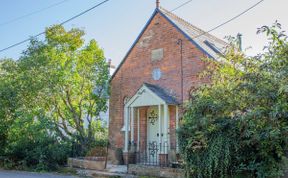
column 160, row 92
column 149, row 95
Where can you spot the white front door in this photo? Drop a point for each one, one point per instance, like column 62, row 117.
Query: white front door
column 153, row 135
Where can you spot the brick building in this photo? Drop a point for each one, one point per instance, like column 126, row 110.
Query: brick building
column 153, row 80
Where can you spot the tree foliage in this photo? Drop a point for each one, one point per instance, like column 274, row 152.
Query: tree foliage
column 8, row 100
column 51, row 99
column 238, row 124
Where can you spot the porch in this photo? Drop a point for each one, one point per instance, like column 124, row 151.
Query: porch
column 151, row 121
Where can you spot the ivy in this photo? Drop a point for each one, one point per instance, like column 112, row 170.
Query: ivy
column 237, row 125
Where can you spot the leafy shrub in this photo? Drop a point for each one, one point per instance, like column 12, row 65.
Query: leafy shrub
column 239, row 123
column 31, row 146
column 97, row 151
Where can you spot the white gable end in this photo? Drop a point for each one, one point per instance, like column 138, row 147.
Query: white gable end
column 144, row 97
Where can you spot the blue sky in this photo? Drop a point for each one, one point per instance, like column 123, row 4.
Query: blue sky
column 116, row 24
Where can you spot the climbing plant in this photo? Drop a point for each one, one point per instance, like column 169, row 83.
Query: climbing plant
column 238, row 124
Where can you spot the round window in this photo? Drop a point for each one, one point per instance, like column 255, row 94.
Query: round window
column 156, row 74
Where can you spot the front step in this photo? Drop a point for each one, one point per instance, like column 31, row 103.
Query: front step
column 102, row 174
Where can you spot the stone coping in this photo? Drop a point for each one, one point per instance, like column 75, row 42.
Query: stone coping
column 86, row 163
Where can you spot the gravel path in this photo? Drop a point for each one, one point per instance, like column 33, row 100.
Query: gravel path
column 18, row 174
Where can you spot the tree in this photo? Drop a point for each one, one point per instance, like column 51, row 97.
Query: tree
column 53, row 96
column 8, row 100
column 68, row 81
column 238, row 123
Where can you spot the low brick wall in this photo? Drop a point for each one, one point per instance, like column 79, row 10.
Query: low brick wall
column 152, row 171
column 93, row 164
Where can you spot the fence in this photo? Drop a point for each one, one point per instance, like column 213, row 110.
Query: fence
column 156, row 154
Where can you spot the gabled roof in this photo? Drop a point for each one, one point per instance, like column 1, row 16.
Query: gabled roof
column 211, row 45
column 207, row 43
column 160, row 92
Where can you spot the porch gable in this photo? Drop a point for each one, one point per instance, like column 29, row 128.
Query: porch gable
column 149, row 95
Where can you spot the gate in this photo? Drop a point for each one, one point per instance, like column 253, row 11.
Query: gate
column 153, row 154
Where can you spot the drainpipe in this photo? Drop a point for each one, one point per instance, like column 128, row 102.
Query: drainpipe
column 180, row 43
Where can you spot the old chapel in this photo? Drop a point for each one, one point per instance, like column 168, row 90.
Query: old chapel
column 153, row 80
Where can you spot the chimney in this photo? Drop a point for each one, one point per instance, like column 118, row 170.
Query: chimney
column 110, row 65
column 109, row 62
column 239, row 39
column 157, row 4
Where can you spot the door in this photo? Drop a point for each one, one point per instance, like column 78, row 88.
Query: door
column 153, row 135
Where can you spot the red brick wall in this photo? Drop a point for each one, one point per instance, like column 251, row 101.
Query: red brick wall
column 138, row 67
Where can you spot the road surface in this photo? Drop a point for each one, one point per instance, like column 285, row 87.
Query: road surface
column 19, row 174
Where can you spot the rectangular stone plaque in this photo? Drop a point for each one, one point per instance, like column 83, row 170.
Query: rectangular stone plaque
column 157, row 54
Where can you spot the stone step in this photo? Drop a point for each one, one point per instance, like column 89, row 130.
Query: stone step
column 102, row 174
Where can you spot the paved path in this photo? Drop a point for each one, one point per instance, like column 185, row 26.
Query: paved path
column 19, row 174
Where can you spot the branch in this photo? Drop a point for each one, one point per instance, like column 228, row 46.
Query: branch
column 64, row 126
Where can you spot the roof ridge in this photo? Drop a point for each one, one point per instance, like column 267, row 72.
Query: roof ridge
column 181, row 20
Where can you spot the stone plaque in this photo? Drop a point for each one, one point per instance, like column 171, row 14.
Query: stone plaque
column 157, row 54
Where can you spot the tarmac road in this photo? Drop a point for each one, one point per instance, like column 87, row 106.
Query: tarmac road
column 20, row 174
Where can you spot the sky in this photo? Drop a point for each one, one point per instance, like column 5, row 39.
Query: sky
column 116, row 24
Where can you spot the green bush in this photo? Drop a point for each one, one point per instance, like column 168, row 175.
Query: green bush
column 31, row 146
column 238, row 125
